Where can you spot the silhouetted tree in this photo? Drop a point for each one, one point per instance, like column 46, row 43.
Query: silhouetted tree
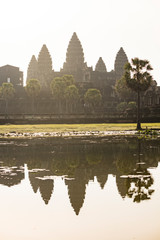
column 122, row 106
column 58, row 86
column 132, row 105
column 71, row 95
column 69, row 79
column 7, row 92
column 138, row 79
column 63, row 88
column 33, row 88
column 122, row 90
column 93, row 97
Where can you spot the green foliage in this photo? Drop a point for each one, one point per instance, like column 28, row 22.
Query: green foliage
column 138, row 79
column 7, row 91
column 132, row 105
column 93, row 97
column 58, row 86
column 137, row 76
column 33, row 88
column 93, row 158
column 121, row 88
column 125, row 164
column 69, row 79
column 72, row 160
column 148, row 133
column 71, row 93
column 122, row 106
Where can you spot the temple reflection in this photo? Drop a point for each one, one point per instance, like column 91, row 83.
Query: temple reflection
column 77, row 190
column 39, row 180
column 80, row 163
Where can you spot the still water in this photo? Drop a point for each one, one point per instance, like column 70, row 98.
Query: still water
column 105, row 189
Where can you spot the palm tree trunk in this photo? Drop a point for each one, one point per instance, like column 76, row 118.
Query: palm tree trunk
column 33, row 106
column 6, row 108
column 138, row 112
column 60, row 106
column 66, row 105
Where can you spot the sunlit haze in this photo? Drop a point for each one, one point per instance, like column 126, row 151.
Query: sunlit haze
column 102, row 26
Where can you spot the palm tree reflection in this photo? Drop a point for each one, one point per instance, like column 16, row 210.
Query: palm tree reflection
column 139, row 182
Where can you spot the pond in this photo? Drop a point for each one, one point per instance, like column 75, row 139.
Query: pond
column 105, row 188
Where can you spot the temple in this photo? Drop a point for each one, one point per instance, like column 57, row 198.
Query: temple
column 86, row 77
column 74, row 57
column 12, row 75
column 100, row 66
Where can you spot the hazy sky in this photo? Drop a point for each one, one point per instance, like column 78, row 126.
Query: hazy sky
column 103, row 26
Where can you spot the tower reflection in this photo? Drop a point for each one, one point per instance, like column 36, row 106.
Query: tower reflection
column 79, row 163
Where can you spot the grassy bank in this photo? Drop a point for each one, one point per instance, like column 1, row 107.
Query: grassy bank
column 73, row 127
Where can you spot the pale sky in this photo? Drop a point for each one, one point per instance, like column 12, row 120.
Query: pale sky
column 102, row 26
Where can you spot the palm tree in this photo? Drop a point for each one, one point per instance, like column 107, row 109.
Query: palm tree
column 33, row 88
column 93, row 97
column 69, row 79
column 138, row 79
column 58, row 86
column 7, row 92
column 71, row 95
column 123, row 92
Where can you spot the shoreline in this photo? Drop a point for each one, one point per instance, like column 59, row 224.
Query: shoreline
column 74, row 134
column 67, row 134
column 76, row 130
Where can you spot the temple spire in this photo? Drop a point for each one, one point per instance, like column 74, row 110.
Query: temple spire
column 46, row 189
column 100, row 66
column 44, row 66
column 74, row 56
column 120, row 61
column 32, row 71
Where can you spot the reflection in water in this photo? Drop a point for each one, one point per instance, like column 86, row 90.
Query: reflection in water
column 76, row 191
column 139, row 185
column 11, row 176
column 79, row 163
column 11, row 169
column 44, row 185
column 139, row 181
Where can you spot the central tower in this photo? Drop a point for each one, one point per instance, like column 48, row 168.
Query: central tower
column 75, row 59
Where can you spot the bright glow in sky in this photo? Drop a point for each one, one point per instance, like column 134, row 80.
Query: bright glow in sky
column 103, row 26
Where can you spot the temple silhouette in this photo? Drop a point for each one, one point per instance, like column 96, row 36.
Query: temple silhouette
column 47, row 108
column 75, row 65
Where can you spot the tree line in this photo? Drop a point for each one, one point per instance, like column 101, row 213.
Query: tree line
column 136, row 78
column 65, row 91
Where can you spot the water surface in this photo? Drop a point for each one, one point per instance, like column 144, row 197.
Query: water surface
column 71, row 189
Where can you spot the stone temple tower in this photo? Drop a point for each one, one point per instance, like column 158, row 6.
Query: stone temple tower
column 100, row 66
column 32, row 72
column 75, row 59
column 44, row 67
column 121, row 60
